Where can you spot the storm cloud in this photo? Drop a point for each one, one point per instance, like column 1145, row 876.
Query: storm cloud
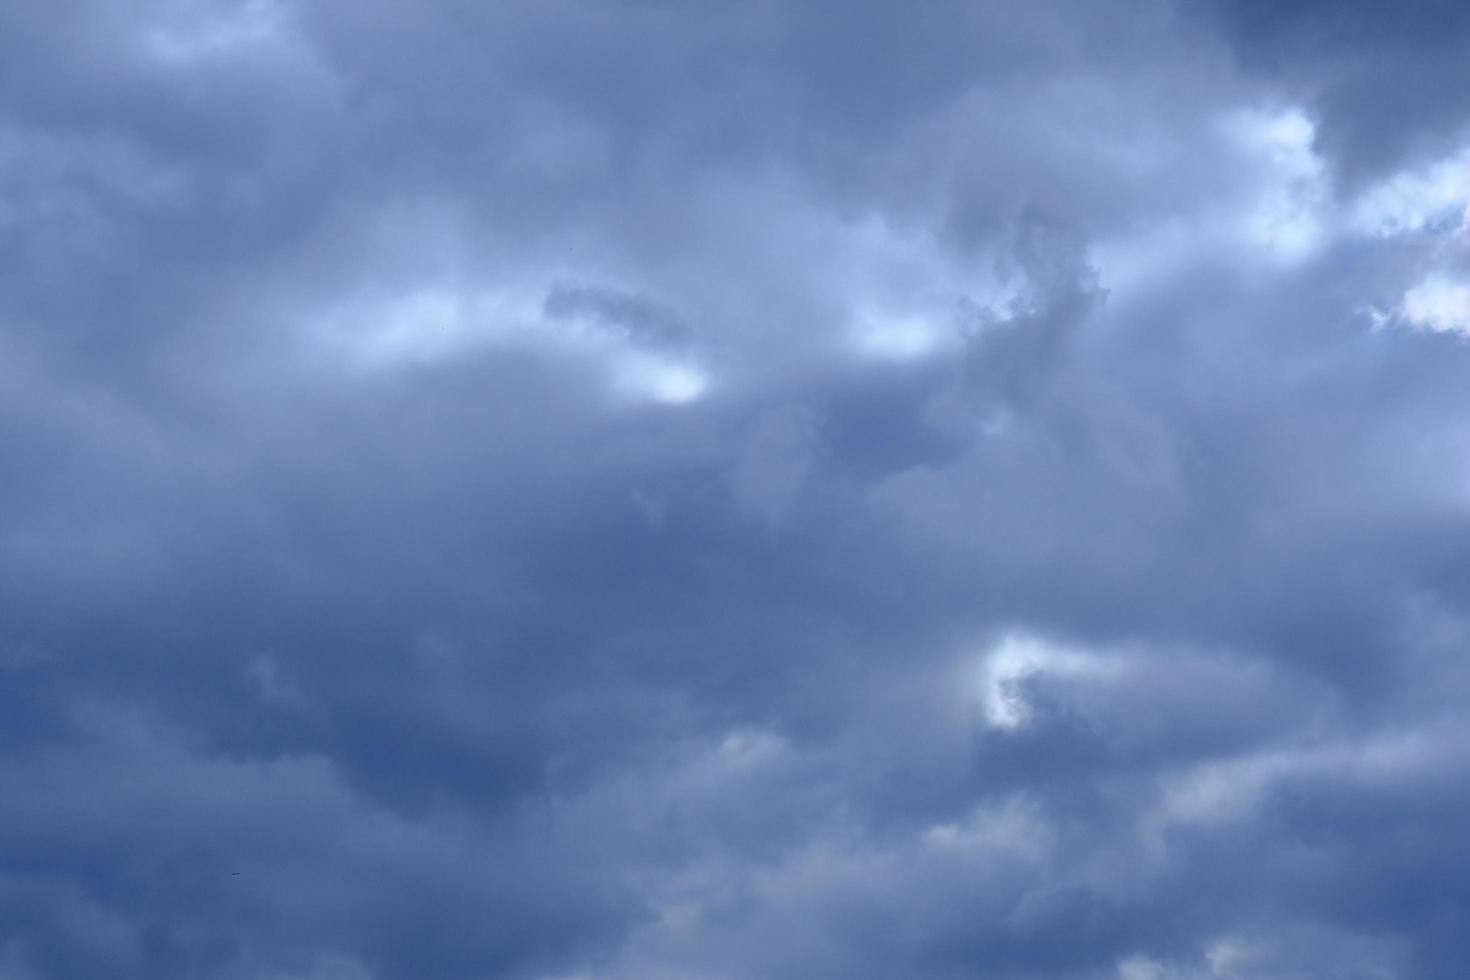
column 636, row 490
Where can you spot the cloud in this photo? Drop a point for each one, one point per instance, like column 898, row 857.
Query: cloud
column 1440, row 305
column 1386, row 84
column 641, row 490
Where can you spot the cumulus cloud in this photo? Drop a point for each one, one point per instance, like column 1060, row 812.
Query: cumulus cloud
column 683, row 491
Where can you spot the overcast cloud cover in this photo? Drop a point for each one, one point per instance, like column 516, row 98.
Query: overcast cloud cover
column 781, row 490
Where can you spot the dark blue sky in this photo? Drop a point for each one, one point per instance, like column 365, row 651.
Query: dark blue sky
column 787, row 490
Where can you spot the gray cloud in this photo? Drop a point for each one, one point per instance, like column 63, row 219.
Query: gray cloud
column 1387, row 83
column 646, row 490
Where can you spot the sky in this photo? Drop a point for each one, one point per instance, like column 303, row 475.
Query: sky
column 782, row 490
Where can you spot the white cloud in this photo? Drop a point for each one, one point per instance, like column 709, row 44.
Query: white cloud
column 1433, row 201
column 1287, row 216
column 1439, row 304
column 659, row 378
column 1017, row 657
column 1275, row 205
column 1414, row 200
column 439, row 322
column 904, row 337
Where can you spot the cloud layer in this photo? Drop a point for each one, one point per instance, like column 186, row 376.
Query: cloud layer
column 628, row 490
